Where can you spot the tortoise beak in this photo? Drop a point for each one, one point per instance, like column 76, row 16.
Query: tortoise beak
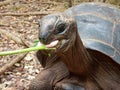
column 52, row 44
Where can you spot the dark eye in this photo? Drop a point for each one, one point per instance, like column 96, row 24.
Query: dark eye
column 60, row 28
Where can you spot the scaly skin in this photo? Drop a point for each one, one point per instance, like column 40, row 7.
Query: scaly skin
column 87, row 35
column 54, row 76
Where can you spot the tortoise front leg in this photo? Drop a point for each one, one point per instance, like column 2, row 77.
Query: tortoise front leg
column 43, row 81
column 47, row 78
column 53, row 77
column 69, row 84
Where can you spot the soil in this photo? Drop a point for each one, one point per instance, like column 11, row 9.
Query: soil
column 25, row 27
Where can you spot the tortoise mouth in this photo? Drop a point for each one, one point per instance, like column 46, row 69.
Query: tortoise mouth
column 53, row 44
column 58, row 44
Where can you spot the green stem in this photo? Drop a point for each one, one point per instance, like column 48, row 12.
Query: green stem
column 25, row 50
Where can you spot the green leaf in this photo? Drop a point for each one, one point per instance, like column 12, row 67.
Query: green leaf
column 49, row 55
column 36, row 42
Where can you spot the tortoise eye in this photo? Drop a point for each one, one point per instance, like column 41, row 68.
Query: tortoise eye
column 60, row 28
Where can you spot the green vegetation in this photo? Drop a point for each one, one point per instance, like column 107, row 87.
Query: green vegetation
column 34, row 48
column 25, row 50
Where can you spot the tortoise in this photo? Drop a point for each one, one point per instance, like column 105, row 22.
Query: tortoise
column 87, row 55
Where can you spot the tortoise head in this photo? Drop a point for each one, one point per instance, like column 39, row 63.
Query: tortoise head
column 57, row 30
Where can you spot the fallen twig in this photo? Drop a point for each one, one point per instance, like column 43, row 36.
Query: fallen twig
column 52, row 2
column 19, row 57
column 5, row 2
column 12, row 36
column 26, row 14
column 12, row 62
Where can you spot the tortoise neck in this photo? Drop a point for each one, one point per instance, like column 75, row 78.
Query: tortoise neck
column 77, row 58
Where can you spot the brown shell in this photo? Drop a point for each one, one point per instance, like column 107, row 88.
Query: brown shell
column 99, row 27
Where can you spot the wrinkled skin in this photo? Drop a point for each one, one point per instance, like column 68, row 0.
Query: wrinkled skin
column 55, row 74
column 57, row 28
column 92, row 73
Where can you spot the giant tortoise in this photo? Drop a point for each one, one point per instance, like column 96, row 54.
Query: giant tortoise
column 87, row 55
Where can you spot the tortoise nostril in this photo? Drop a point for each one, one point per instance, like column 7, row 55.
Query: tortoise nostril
column 44, row 38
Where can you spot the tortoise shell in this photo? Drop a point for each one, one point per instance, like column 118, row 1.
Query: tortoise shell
column 99, row 27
